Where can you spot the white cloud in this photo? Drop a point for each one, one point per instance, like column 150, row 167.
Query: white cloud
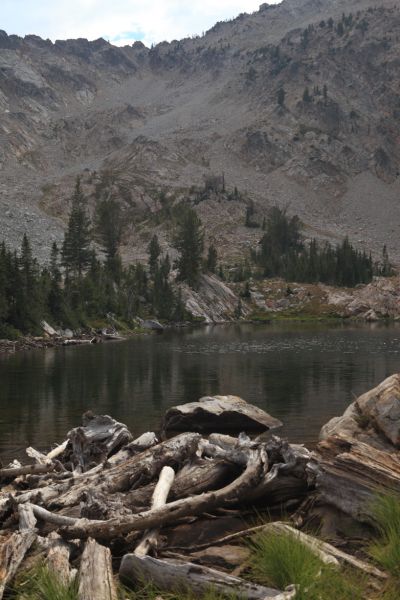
column 121, row 21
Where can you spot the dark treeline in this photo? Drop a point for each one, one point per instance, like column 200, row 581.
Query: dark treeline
column 77, row 289
column 283, row 253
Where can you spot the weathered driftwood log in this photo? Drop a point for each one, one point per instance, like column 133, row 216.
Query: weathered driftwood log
column 99, row 437
column 27, row 519
column 172, row 575
column 160, row 495
column 193, row 478
column 144, row 442
column 12, row 553
column 95, row 574
column 349, row 474
column 76, row 342
column 37, row 469
column 138, row 470
column 255, row 471
column 218, row 414
column 57, row 558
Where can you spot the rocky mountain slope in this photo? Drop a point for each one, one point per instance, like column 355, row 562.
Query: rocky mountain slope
column 146, row 125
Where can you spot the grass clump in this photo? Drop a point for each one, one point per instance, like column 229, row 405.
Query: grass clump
column 386, row 549
column 42, row 584
column 279, row 560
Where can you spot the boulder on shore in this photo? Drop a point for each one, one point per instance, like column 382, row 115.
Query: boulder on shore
column 218, row 414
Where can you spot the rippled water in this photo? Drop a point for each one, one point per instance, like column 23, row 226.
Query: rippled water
column 302, row 374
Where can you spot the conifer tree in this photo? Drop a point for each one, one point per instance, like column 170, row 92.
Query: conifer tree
column 189, row 241
column 154, row 251
column 76, row 253
column 109, row 226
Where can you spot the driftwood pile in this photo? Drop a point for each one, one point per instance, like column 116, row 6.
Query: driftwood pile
column 173, row 510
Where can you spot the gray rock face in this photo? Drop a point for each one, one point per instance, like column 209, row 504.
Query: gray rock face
column 374, row 418
column 136, row 121
column 219, row 414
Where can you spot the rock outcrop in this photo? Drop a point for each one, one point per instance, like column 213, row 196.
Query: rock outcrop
column 219, row 414
column 358, row 456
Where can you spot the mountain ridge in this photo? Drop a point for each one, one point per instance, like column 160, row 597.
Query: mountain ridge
column 143, row 124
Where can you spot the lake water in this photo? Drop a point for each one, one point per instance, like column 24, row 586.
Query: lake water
column 301, row 374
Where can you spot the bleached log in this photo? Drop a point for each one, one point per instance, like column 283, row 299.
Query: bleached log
column 27, row 519
column 95, row 574
column 173, row 575
column 55, row 453
column 57, row 558
column 196, row 477
column 162, row 489
column 233, row 492
column 39, row 457
column 144, row 442
column 51, row 517
column 12, row 553
column 38, row 469
column 75, row 342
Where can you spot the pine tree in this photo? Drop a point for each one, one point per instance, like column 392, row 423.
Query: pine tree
column 306, row 95
column 154, row 250
column 55, row 299
column 281, row 97
column 189, row 241
column 76, row 253
column 109, row 225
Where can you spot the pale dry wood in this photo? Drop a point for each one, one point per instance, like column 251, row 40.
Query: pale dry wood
column 144, row 442
column 12, row 553
column 37, row 469
column 173, row 575
column 74, row 342
column 95, row 574
column 192, row 506
column 57, row 558
column 27, row 519
column 161, row 491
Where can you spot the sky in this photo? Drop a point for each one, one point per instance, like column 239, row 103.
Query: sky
column 118, row 21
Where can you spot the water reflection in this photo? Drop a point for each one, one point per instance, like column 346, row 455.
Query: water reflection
column 302, row 374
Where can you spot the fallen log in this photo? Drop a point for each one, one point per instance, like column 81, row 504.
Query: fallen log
column 27, row 519
column 161, row 491
column 57, row 559
column 37, row 469
column 77, row 342
column 232, row 493
column 95, row 574
column 173, row 575
column 12, row 553
column 193, row 478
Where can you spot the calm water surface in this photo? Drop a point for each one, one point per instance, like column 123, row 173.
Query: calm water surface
column 302, row 374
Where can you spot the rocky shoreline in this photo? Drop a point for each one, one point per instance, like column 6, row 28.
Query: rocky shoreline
column 176, row 505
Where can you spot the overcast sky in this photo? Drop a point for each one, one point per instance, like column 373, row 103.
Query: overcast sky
column 119, row 21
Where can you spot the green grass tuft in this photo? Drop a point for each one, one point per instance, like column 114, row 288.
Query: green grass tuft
column 386, row 549
column 279, row 560
column 41, row 584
